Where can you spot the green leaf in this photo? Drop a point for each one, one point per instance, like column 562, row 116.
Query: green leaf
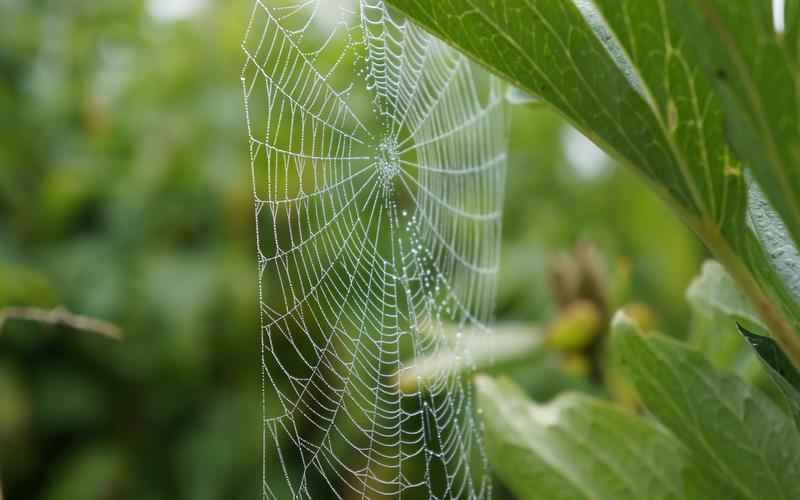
column 757, row 75
column 550, row 50
column 620, row 73
column 657, row 38
column 580, row 448
column 718, row 305
column 750, row 445
column 715, row 291
column 780, row 369
column 720, row 310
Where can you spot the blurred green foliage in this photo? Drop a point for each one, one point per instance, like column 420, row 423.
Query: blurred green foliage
column 125, row 194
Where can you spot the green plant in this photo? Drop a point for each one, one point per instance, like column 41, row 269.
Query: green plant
column 701, row 97
column 58, row 317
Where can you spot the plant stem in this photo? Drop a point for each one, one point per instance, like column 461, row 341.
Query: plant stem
column 60, row 316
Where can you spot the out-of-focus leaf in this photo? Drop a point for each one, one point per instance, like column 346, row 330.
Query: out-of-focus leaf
column 714, row 290
column 749, row 445
column 580, row 448
column 215, row 452
column 620, row 73
column 779, row 367
column 97, row 473
column 470, row 350
column 718, row 305
column 69, row 400
column 715, row 336
column 23, row 286
column 15, row 409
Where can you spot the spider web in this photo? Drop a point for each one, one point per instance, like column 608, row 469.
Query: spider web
column 378, row 166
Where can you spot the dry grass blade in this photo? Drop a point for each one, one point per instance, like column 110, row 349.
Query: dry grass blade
column 61, row 317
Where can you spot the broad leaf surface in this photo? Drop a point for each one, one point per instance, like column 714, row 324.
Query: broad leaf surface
column 550, row 50
column 580, row 448
column 750, row 444
column 621, row 74
column 757, row 74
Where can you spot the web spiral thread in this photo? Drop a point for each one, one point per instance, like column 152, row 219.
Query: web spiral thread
column 378, row 229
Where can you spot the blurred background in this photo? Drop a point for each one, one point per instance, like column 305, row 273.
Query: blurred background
column 125, row 195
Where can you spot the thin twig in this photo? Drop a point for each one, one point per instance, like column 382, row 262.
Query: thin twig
column 60, row 316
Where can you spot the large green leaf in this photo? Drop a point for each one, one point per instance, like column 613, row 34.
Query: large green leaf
column 551, row 50
column 757, row 74
column 620, row 74
column 748, row 442
column 660, row 39
column 580, row 448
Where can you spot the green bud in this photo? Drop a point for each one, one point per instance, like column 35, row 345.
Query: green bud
column 575, row 328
